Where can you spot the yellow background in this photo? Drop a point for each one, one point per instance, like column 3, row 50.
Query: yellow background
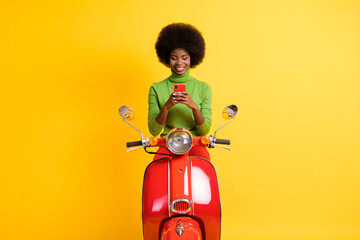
column 292, row 67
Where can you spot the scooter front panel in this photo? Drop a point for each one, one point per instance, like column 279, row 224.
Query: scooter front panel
column 180, row 185
column 155, row 198
column 206, row 197
column 204, row 191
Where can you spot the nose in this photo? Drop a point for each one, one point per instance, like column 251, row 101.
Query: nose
column 179, row 61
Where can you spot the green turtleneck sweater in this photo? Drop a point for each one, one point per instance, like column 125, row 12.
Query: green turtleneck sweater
column 180, row 115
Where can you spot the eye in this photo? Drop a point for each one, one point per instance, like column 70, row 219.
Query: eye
column 185, row 58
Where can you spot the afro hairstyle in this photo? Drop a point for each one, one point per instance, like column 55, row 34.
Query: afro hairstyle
column 180, row 35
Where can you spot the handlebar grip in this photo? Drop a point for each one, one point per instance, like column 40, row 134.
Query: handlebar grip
column 222, row 141
column 133, row 144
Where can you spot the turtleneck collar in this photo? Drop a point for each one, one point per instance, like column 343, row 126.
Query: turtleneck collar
column 183, row 78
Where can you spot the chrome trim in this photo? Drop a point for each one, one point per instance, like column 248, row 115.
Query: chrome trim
column 159, row 159
column 211, row 143
column 180, row 228
column 192, row 191
column 146, row 142
column 200, row 158
column 181, row 200
column 168, row 137
column 169, row 206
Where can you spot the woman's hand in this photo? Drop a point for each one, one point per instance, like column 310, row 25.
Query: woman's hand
column 170, row 102
column 184, row 98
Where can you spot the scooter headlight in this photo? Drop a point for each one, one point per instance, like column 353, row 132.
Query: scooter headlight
column 179, row 141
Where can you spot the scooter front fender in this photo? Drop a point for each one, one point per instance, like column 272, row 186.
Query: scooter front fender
column 181, row 228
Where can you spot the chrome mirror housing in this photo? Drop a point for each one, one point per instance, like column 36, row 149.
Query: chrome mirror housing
column 230, row 112
column 126, row 113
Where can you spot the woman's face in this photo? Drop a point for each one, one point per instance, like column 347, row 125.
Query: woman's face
column 179, row 61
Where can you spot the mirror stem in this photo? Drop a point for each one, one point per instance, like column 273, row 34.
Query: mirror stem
column 133, row 126
column 222, row 127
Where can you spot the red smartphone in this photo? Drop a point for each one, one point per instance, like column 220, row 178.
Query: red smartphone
column 179, row 88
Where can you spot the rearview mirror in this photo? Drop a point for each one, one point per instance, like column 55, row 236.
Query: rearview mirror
column 126, row 113
column 230, row 112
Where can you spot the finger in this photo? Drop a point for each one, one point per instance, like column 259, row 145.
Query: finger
column 175, row 94
column 173, row 99
column 184, row 101
column 179, row 93
column 184, row 93
column 179, row 98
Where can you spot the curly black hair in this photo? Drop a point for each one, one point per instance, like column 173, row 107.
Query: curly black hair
column 180, row 35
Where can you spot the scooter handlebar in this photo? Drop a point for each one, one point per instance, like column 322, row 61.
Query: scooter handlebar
column 133, row 144
column 222, row 141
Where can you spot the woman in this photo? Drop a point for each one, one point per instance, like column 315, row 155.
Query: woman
column 180, row 47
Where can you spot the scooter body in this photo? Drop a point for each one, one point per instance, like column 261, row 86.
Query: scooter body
column 181, row 191
column 180, row 198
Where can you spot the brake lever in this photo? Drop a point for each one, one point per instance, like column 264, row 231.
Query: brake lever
column 222, row 146
column 132, row 149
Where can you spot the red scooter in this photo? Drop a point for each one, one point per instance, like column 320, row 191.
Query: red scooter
column 180, row 198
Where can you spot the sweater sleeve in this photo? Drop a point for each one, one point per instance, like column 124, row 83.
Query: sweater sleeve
column 205, row 109
column 153, row 112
